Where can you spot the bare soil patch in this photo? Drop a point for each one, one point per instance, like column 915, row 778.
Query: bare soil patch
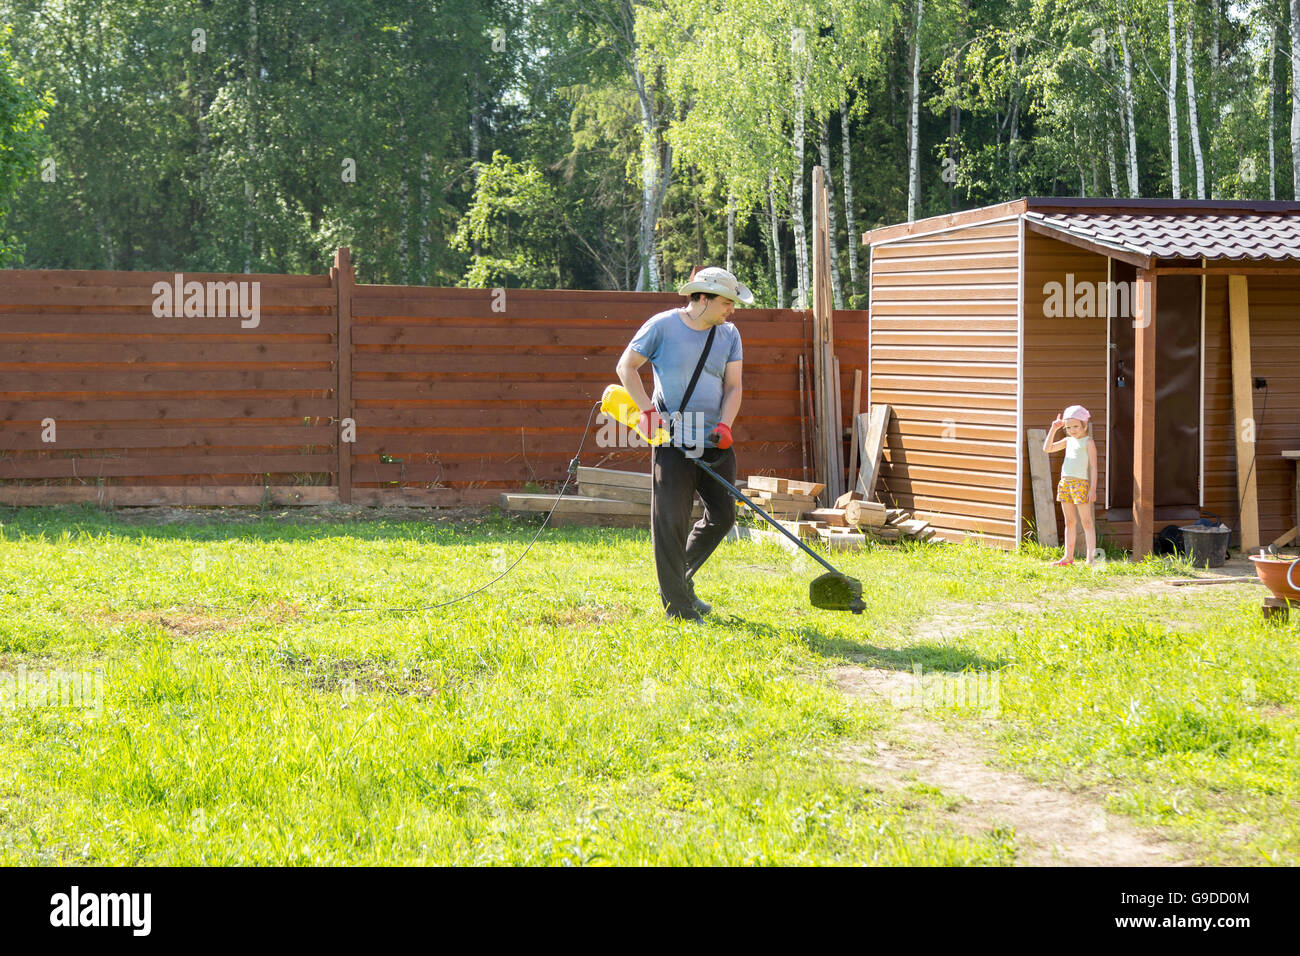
column 194, row 622
column 352, row 676
column 1053, row 827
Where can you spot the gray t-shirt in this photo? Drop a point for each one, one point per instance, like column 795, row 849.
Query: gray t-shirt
column 674, row 348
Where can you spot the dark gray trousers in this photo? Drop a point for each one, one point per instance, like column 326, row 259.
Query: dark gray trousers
column 675, row 481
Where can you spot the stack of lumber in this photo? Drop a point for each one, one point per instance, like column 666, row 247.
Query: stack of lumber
column 782, row 497
column 901, row 525
column 606, row 497
column 853, row 520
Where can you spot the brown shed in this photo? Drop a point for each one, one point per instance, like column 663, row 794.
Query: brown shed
column 989, row 322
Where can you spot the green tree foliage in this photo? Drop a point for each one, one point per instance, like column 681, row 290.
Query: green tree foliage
column 505, row 142
column 21, row 114
column 514, row 220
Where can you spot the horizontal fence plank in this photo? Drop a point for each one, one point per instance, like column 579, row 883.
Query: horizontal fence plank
column 172, row 496
column 577, row 335
column 164, row 410
column 158, row 465
column 243, row 436
column 190, row 351
column 588, row 386
column 514, row 364
column 93, row 323
column 511, row 441
column 758, row 414
column 102, row 381
column 100, row 278
column 142, row 296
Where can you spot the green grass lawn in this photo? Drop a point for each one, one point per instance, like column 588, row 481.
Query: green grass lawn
column 250, row 715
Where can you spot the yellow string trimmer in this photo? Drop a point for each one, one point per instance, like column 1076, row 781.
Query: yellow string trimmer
column 832, row 591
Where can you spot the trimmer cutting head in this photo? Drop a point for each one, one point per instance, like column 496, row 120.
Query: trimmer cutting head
column 836, row 592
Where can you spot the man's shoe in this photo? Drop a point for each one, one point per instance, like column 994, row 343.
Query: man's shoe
column 691, row 615
column 703, row 607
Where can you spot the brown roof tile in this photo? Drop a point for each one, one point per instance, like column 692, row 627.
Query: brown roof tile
column 1184, row 236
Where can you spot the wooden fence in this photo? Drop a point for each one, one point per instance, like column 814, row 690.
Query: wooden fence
column 333, row 391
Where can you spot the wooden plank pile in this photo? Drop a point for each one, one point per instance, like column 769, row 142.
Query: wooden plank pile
column 781, row 497
column 606, row 497
column 613, row 498
column 853, row 521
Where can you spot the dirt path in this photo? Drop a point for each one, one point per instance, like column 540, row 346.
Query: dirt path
column 1052, row 827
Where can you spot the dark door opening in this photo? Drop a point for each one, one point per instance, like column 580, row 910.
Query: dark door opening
column 1178, row 392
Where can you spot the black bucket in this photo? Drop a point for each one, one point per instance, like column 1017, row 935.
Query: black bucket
column 1206, row 547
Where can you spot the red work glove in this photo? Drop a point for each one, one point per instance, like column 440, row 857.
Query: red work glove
column 651, row 422
column 721, row 436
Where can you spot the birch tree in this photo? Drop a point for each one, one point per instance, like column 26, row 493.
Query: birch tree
column 800, row 66
column 749, row 139
column 1194, row 126
column 1272, row 85
column 1131, row 123
column 824, row 150
column 1171, row 97
column 1295, row 98
column 849, row 220
column 616, row 22
column 913, row 126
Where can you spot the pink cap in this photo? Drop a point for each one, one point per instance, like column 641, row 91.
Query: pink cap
column 1076, row 411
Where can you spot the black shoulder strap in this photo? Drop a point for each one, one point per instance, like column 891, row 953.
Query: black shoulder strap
column 699, row 367
column 695, row 377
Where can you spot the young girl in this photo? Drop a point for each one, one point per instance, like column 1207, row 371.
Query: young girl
column 1077, row 491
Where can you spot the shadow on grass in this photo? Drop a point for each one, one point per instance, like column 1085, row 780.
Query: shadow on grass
column 931, row 657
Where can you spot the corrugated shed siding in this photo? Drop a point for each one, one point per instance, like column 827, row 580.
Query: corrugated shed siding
column 943, row 354
column 1275, row 357
column 1065, row 355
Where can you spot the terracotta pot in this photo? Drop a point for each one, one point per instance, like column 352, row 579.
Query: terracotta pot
column 1274, row 574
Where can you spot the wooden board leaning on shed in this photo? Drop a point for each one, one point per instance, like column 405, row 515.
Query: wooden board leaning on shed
column 1040, row 475
column 871, row 429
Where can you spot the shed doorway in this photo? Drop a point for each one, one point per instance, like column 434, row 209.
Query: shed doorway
column 1178, row 395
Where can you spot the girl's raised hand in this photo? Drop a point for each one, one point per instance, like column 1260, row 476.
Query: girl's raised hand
column 1058, row 423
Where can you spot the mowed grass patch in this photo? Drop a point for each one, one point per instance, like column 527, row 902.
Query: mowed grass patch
column 284, row 693
column 1179, row 710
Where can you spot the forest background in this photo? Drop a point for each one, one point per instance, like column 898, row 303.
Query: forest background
column 608, row 144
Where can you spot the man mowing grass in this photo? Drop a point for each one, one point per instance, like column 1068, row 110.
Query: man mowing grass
column 696, row 357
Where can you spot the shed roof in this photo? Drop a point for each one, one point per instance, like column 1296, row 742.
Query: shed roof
column 1140, row 230
column 1182, row 236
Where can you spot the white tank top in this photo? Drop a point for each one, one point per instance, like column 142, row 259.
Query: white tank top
column 1076, row 458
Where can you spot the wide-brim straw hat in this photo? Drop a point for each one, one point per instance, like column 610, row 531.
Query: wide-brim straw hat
column 718, row 282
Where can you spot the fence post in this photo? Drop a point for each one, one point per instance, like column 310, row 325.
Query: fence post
column 344, row 278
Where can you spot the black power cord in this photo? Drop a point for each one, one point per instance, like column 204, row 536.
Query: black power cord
column 572, row 473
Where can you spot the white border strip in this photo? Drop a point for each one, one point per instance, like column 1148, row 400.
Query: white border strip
column 1110, row 371
column 1020, row 386
column 871, row 332
column 1200, row 477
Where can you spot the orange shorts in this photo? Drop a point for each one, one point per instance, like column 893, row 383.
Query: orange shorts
column 1073, row 491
